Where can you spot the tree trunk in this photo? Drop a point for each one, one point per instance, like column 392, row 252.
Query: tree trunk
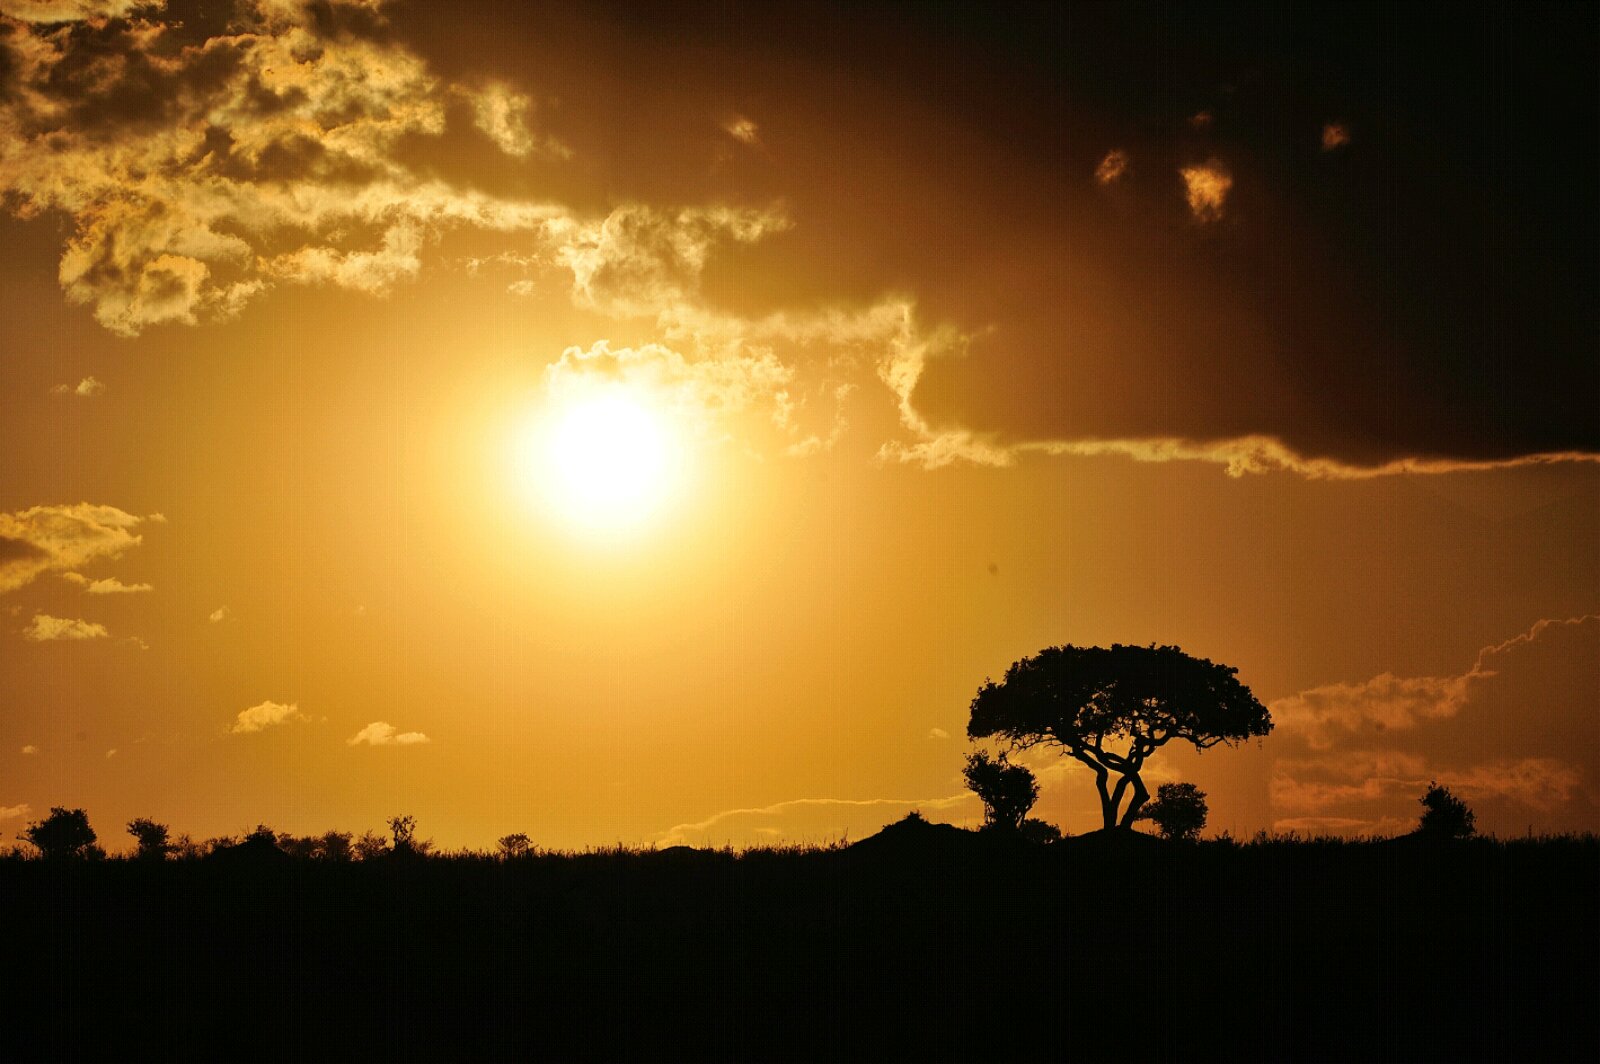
column 1140, row 796
column 1115, row 802
column 1108, row 805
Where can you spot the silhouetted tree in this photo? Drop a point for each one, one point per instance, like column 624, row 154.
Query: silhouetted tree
column 151, row 838
column 64, row 834
column 516, row 845
column 1444, row 816
column 334, row 846
column 1179, row 811
column 406, row 843
column 1111, row 709
column 370, row 846
column 1007, row 791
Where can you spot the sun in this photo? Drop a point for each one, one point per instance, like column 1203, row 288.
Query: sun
column 606, row 460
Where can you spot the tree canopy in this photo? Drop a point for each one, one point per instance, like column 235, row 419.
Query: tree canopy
column 1112, row 708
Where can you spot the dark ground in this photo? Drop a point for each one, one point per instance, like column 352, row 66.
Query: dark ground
column 921, row 944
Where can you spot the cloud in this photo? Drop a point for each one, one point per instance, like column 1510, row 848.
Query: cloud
column 109, row 585
column 266, row 715
column 11, row 812
column 46, row 538
column 1513, row 734
column 814, row 820
column 502, row 114
column 382, row 733
column 218, row 615
column 643, row 261
column 743, row 130
column 938, row 733
column 1381, row 827
column 45, row 628
column 1113, row 166
column 30, row 750
column 85, row 388
column 199, row 173
column 1335, row 135
column 75, row 10
column 1206, row 186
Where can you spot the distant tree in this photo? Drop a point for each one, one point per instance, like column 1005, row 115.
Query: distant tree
column 370, row 846
column 300, row 847
column 1444, row 816
column 262, row 838
column 184, row 848
column 406, row 843
column 151, row 837
column 1007, row 791
column 334, row 846
column 63, row 835
column 1111, row 709
column 1179, row 811
column 404, row 830
column 512, row 846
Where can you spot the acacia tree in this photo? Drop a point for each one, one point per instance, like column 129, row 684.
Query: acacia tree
column 1112, row 708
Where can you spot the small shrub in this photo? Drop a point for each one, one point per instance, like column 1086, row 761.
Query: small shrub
column 514, row 846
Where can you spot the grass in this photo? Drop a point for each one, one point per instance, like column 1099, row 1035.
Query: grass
column 929, row 946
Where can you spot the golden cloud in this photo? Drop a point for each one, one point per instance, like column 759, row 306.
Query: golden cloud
column 46, row 538
column 1207, row 185
column 107, row 586
column 45, row 628
column 382, row 733
column 266, row 715
column 250, row 142
column 1112, row 167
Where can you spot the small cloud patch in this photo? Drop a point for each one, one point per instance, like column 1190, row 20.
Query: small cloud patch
column 1112, row 167
column 107, row 586
column 1207, row 187
column 45, row 628
column 382, row 733
column 264, row 716
column 85, row 388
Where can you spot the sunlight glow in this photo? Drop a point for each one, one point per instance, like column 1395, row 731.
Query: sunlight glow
column 607, row 459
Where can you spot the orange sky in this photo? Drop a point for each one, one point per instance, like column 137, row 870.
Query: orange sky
column 290, row 295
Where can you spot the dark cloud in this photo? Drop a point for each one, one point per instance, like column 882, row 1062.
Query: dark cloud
column 1426, row 291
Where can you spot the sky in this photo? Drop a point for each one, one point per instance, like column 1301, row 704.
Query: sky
column 654, row 424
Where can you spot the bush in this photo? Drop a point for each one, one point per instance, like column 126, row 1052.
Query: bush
column 513, row 846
